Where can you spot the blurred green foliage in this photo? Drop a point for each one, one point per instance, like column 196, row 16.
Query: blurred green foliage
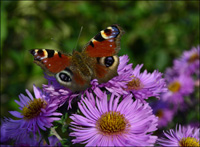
column 156, row 33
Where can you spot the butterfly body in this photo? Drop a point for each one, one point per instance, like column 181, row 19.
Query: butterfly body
column 98, row 60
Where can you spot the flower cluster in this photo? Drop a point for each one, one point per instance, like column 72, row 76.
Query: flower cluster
column 180, row 80
column 115, row 113
column 182, row 76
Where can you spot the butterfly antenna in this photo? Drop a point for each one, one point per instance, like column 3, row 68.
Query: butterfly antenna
column 78, row 37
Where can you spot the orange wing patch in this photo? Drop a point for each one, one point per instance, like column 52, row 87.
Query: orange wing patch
column 50, row 60
column 101, row 49
column 56, row 64
column 106, row 43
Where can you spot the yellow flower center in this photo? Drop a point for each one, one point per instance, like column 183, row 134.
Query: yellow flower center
column 189, row 141
column 193, row 58
column 111, row 123
column 135, row 84
column 174, row 87
column 33, row 109
column 159, row 113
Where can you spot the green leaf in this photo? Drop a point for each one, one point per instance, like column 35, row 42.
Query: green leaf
column 63, row 119
column 45, row 135
column 64, row 128
column 65, row 142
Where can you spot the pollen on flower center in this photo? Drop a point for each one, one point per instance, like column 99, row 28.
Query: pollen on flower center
column 193, row 58
column 174, row 87
column 33, row 109
column 134, row 84
column 112, row 123
column 189, row 141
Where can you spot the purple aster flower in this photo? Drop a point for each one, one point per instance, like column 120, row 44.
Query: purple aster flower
column 11, row 130
column 115, row 85
column 36, row 113
column 182, row 136
column 195, row 124
column 3, row 136
column 55, row 91
column 170, row 73
column 188, row 63
column 178, row 88
column 113, row 123
column 23, row 136
column 144, row 85
column 163, row 111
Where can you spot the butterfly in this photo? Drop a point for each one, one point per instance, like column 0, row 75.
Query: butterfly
column 98, row 60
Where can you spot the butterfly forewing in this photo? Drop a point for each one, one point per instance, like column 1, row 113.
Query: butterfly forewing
column 50, row 60
column 105, row 43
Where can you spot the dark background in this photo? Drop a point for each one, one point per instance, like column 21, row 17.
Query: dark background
column 156, row 33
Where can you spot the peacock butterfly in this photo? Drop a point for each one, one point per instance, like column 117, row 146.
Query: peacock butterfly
column 98, row 60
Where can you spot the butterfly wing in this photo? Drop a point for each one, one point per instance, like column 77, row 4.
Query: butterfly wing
column 50, row 60
column 60, row 66
column 105, row 43
column 104, row 47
